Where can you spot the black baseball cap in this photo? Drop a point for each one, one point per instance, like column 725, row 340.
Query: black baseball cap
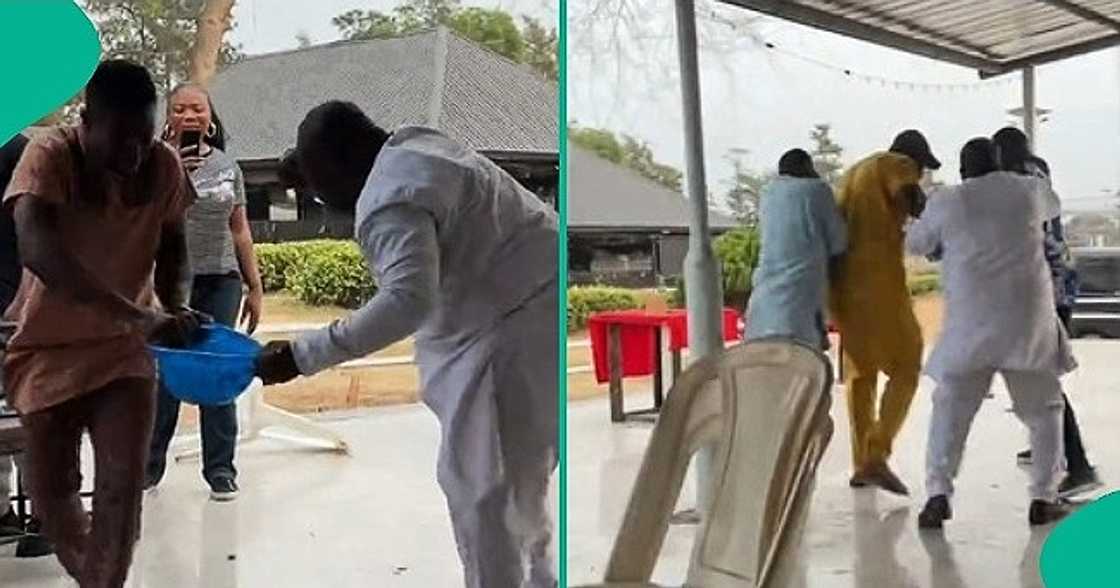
column 913, row 144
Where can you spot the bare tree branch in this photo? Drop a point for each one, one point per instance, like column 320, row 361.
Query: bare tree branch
column 633, row 43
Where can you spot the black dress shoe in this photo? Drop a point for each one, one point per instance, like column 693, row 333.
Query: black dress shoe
column 1044, row 513
column 935, row 513
column 1079, row 482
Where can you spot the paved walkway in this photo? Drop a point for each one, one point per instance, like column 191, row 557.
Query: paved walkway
column 304, row 520
column 865, row 539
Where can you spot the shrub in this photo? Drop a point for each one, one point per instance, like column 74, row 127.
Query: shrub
column 737, row 252
column 277, row 260
column 923, row 284
column 675, row 295
column 583, row 301
column 274, row 259
column 330, row 273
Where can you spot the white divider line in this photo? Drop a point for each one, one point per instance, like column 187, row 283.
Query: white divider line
column 274, row 328
column 409, row 360
column 397, row 360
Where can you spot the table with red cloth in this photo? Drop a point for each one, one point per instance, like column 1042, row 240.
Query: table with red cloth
column 628, row 343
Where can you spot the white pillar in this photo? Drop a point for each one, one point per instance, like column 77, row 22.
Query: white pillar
column 1030, row 106
column 701, row 272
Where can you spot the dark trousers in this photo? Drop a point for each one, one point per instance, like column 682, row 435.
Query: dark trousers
column 1076, row 460
column 220, row 297
column 96, row 552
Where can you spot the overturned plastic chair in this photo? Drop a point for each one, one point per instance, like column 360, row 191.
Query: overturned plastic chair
column 764, row 406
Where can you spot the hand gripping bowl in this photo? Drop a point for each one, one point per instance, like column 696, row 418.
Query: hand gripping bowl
column 214, row 370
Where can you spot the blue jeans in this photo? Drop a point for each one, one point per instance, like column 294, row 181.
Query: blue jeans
column 220, row 297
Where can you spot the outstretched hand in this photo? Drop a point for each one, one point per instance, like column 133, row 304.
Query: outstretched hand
column 176, row 328
column 276, row 364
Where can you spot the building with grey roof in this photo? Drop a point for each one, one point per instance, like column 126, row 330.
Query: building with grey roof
column 623, row 228
column 500, row 108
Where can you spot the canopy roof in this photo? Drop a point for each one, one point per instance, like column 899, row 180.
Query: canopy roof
column 991, row 36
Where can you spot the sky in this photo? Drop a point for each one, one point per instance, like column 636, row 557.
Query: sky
column 265, row 26
column 766, row 101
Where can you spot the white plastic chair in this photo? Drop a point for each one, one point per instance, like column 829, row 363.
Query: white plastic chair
column 764, row 405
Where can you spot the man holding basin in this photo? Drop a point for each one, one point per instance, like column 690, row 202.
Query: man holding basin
column 465, row 259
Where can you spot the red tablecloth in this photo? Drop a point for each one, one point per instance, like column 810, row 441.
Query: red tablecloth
column 638, row 332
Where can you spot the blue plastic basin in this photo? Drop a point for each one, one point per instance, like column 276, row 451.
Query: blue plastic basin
column 214, row 370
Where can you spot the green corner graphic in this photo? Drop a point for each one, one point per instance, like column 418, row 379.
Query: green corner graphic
column 51, row 49
column 1081, row 551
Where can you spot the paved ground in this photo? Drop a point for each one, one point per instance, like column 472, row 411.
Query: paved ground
column 376, row 518
column 862, row 539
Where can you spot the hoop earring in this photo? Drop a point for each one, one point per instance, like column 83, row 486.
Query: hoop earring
column 211, row 131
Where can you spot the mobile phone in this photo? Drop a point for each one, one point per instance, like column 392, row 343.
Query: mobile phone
column 189, row 139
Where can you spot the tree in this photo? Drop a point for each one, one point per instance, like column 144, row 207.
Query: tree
column 363, row 25
column 303, row 40
column 492, row 28
column 826, row 154
column 162, row 35
column 632, row 44
column 541, row 47
column 628, row 152
column 214, row 21
column 600, row 141
column 495, row 29
column 745, row 188
column 638, row 156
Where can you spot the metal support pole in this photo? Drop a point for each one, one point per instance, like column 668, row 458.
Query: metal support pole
column 701, row 272
column 1030, row 106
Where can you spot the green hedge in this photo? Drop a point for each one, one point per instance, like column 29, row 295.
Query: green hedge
column 277, row 260
column 319, row 273
column 923, row 284
column 737, row 252
column 583, row 301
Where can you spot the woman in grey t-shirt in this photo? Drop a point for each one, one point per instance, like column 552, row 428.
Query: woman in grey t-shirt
column 223, row 266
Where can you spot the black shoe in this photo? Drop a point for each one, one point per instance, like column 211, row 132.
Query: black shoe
column 858, row 481
column 1023, row 457
column 10, row 525
column 1044, row 513
column 1079, row 483
column 935, row 513
column 223, row 489
column 880, row 475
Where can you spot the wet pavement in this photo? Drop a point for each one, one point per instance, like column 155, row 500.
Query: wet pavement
column 864, row 538
column 303, row 520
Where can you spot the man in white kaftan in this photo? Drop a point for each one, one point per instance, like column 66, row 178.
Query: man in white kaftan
column 465, row 259
column 999, row 317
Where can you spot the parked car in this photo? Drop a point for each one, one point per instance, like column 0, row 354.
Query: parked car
column 1097, row 311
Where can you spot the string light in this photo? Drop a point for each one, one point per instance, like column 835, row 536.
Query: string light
column 909, row 85
column 848, row 73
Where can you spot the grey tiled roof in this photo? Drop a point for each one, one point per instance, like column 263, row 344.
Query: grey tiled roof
column 434, row 78
column 602, row 195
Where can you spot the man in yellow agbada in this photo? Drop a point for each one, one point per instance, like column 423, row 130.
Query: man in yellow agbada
column 870, row 302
